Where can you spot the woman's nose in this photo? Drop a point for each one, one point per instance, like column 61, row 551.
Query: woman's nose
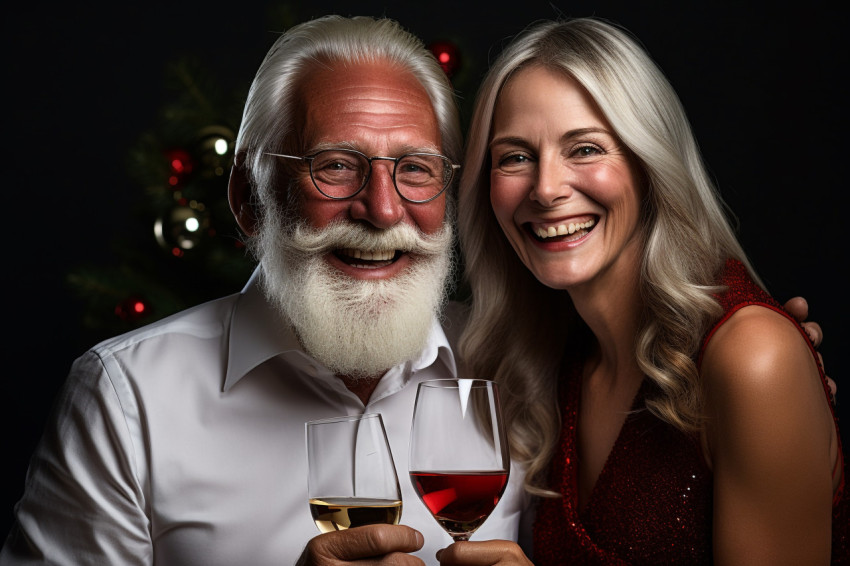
column 553, row 182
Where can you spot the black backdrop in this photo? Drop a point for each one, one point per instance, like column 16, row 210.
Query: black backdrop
column 763, row 90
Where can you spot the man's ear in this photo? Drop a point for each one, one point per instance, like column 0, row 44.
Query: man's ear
column 239, row 193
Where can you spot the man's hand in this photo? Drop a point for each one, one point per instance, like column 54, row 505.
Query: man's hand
column 483, row 553
column 369, row 544
column 799, row 309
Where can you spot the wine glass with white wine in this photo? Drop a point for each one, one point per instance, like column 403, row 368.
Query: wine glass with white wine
column 459, row 456
column 351, row 477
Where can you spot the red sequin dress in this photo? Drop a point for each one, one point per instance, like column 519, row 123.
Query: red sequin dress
column 652, row 502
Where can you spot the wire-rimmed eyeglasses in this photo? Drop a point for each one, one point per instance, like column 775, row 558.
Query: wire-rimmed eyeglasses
column 342, row 173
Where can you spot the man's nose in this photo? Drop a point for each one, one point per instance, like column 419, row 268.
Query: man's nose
column 379, row 203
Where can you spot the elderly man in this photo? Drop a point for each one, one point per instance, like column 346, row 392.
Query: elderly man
column 183, row 442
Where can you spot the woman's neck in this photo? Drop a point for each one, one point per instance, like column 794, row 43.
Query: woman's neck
column 612, row 310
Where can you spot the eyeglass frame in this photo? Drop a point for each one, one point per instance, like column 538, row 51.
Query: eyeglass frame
column 309, row 159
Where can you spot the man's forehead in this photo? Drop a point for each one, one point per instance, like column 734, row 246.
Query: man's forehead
column 367, row 103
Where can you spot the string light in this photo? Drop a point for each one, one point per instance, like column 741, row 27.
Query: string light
column 448, row 56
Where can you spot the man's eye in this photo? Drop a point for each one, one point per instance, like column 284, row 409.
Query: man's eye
column 335, row 165
column 410, row 167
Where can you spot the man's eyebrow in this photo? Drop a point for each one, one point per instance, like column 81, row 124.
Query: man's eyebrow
column 402, row 150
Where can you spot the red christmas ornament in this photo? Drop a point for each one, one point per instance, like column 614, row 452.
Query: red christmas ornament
column 180, row 166
column 447, row 54
column 132, row 308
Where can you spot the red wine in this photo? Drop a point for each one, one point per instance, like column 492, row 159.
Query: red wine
column 340, row 513
column 460, row 501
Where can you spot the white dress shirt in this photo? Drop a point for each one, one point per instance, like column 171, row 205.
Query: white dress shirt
column 182, row 443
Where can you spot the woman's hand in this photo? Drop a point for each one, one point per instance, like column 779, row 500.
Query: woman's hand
column 483, row 553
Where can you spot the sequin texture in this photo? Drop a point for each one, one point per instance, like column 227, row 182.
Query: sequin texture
column 652, row 503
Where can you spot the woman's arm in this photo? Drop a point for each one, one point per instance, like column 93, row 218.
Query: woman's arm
column 771, row 443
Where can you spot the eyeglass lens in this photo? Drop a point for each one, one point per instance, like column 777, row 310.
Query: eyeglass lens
column 341, row 173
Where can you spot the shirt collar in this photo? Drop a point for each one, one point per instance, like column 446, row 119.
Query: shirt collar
column 257, row 334
column 436, row 348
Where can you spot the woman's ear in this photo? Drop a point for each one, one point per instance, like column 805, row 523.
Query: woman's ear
column 239, row 193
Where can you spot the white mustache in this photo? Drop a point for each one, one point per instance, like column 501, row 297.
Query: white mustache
column 339, row 235
column 355, row 327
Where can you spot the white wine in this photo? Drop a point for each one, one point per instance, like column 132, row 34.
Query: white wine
column 340, row 513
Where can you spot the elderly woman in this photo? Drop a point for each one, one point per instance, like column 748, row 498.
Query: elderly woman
column 666, row 408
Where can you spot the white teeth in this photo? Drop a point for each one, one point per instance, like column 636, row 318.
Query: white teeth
column 563, row 229
column 370, row 255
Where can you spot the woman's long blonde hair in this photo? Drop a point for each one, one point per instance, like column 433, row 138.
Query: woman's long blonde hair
column 518, row 328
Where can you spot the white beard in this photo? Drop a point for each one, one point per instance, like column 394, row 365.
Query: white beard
column 357, row 328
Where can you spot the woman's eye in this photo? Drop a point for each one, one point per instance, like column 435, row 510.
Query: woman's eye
column 587, row 151
column 514, row 160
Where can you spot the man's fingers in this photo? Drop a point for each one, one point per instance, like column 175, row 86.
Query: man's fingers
column 798, row 307
column 813, row 330
column 483, row 553
column 369, row 541
column 832, row 387
column 376, row 540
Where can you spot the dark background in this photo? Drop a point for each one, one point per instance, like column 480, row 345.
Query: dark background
column 764, row 90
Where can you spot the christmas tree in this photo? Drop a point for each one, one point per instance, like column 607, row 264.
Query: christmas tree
column 185, row 247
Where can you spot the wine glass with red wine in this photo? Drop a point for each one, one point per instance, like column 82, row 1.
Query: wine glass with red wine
column 351, row 477
column 459, row 457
